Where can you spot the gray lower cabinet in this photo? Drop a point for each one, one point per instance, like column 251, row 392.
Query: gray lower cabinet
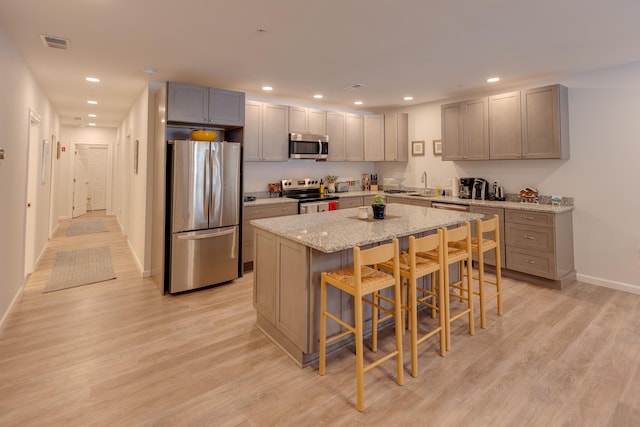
column 350, row 202
column 257, row 212
column 540, row 244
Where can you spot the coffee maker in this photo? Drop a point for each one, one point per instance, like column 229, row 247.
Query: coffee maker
column 480, row 189
column 466, row 188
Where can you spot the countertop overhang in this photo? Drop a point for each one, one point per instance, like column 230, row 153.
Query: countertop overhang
column 335, row 231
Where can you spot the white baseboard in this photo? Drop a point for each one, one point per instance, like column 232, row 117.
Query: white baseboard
column 626, row 287
column 63, row 218
column 10, row 308
column 135, row 257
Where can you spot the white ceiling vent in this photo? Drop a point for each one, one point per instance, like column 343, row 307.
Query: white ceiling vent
column 354, row 86
column 54, row 42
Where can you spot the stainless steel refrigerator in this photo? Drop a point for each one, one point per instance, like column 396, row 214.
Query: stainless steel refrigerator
column 205, row 195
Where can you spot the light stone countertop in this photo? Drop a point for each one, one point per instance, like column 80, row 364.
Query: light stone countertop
column 448, row 199
column 335, row 231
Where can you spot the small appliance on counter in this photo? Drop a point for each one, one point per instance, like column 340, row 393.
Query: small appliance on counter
column 466, row 188
column 498, row 192
column 480, row 189
column 342, row 187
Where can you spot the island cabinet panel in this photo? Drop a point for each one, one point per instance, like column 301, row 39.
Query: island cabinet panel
column 336, row 130
column 505, row 126
column 266, row 273
column 291, row 292
column 354, row 132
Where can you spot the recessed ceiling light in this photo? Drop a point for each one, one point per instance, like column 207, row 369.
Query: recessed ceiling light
column 408, row 98
column 92, row 124
column 92, row 115
column 267, row 88
column 358, row 102
column 493, row 79
column 150, row 71
column 318, row 96
column 92, row 102
column 93, row 79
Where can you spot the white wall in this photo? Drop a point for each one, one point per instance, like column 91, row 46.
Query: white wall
column 19, row 92
column 131, row 192
column 601, row 174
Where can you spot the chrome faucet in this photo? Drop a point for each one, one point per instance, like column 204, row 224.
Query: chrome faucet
column 424, row 180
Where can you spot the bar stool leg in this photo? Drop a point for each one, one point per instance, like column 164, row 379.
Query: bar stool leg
column 359, row 352
column 323, row 325
column 483, row 315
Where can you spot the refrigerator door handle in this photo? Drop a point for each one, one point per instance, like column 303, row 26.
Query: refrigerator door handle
column 205, row 187
column 207, row 236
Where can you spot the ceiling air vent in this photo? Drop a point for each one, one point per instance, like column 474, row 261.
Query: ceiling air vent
column 354, row 86
column 54, row 42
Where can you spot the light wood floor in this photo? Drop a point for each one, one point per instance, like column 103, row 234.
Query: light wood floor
column 119, row 353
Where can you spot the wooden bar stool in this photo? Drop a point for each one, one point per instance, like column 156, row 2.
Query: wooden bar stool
column 480, row 245
column 457, row 250
column 364, row 278
column 412, row 268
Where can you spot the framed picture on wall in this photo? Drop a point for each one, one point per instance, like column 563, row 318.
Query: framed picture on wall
column 437, row 147
column 417, row 148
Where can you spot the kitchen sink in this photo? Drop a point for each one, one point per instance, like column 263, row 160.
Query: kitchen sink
column 420, row 195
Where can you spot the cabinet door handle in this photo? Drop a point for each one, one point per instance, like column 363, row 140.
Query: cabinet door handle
column 528, row 261
column 527, row 217
column 528, row 237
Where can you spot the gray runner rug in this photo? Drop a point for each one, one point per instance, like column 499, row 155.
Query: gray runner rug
column 86, row 226
column 81, row 267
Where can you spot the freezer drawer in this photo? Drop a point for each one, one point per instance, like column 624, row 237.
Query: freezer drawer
column 203, row 258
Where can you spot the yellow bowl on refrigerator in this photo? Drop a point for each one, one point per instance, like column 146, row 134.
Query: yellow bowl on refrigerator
column 203, row 135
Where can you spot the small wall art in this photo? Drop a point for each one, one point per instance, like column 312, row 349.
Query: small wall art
column 417, row 148
column 437, row 147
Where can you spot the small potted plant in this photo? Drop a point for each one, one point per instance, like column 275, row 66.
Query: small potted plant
column 378, row 205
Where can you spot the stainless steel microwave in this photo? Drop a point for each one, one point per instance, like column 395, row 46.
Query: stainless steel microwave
column 308, row 146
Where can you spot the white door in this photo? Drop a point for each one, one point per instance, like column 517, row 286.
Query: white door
column 80, row 180
column 97, row 177
column 33, row 176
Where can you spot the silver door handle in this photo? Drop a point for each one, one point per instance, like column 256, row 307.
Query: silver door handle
column 528, row 237
column 207, row 236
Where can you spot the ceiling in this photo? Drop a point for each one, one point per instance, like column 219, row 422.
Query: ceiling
column 428, row 49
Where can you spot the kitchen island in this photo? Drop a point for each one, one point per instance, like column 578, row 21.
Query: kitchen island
column 291, row 252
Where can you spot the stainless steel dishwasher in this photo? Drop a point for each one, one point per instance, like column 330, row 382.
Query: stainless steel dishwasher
column 450, row 206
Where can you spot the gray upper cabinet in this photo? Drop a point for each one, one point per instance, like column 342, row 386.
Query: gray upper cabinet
column 396, row 137
column 336, row 130
column 374, row 138
column 354, row 133
column 202, row 105
column 266, row 132
column 465, row 130
column 545, row 123
column 307, row 120
column 528, row 124
column 505, row 126
column 452, row 131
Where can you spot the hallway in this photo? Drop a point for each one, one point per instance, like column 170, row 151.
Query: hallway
column 119, row 353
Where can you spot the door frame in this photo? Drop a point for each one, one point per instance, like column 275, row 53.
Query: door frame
column 72, row 170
